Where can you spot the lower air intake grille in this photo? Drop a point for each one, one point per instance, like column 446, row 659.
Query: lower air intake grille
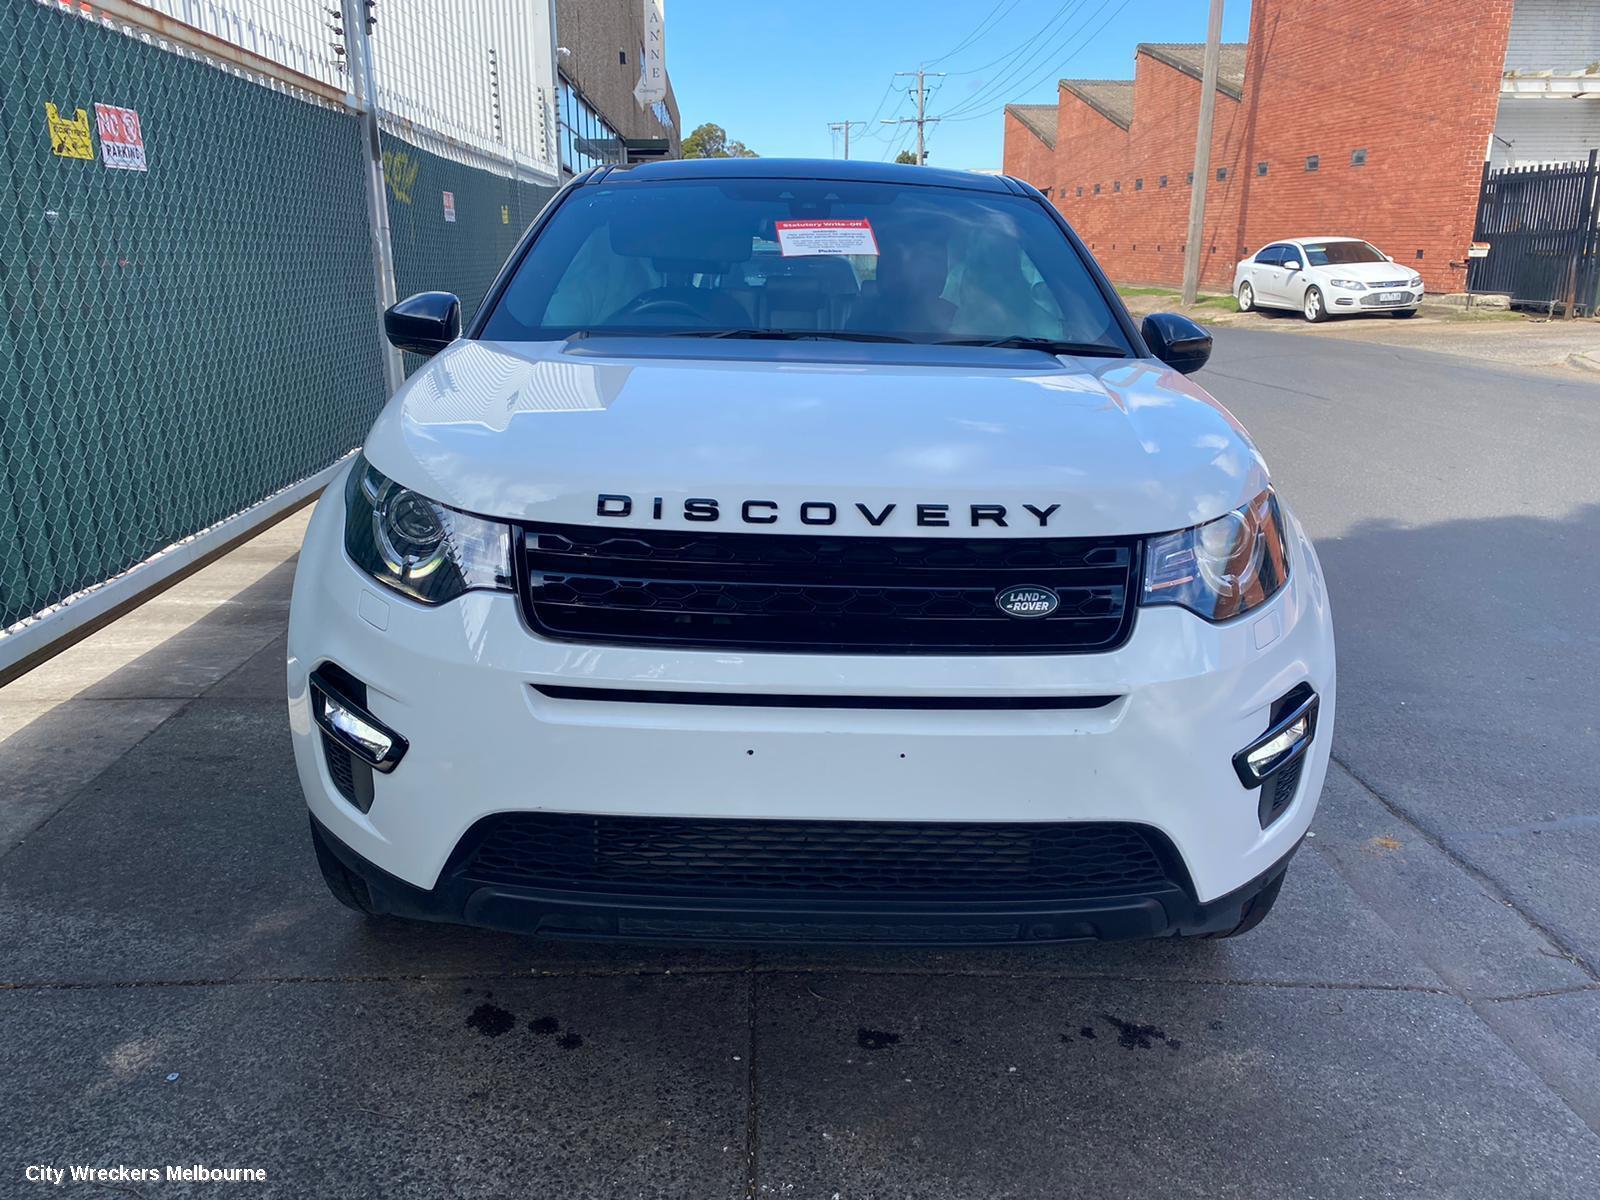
column 341, row 767
column 784, row 860
column 933, row 595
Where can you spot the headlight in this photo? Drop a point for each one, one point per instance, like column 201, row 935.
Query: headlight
column 1353, row 285
column 1223, row 568
column 425, row 550
column 1416, row 281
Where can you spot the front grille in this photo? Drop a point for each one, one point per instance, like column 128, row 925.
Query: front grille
column 794, row 591
column 1371, row 300
column 828, row 860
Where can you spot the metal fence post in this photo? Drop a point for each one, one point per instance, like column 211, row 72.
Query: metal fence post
column 358, row 46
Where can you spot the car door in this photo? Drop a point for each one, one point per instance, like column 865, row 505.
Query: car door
column 1267, row 274
column 1288, row 282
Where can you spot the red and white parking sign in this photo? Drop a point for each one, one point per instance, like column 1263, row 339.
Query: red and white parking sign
column 121, row 139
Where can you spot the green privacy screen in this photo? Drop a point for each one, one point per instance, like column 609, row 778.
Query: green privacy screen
column 432, row 252
column 179, row 342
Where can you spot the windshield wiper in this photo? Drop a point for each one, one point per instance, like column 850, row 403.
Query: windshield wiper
column 775, row 335
column 797, row 335
column 1048, row 345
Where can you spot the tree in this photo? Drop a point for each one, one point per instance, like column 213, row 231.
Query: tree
column 711, row 141
column 907, row 156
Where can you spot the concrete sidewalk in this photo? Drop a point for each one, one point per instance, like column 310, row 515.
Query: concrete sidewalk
column 64, row 723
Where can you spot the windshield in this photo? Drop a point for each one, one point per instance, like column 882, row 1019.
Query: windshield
column 781, row 257
column 1323, row 254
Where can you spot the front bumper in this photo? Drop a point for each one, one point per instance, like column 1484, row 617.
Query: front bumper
column 1345, row 300
column 459, row 899
column 460, row 683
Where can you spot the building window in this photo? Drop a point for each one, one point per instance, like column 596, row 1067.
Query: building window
column 1045, row 192
column 1222, row 173
column 1261, row 168
column 1116, row 187
column 1138, row 185
column 622, row 58
column 1358, row 158
column 1163, row 182
column 1190, row 179
column 1097, row 189
column 1419, row 253
column 1313, row 161
column 1080, row 191
column 587, row 138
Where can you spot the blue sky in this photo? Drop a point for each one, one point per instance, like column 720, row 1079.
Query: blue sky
column 775, row 74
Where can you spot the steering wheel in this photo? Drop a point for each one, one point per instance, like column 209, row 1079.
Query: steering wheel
column 658, row 307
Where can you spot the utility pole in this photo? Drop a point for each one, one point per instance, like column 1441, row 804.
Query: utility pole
column 835, row 127
column 922, row 118
column 1202, row 155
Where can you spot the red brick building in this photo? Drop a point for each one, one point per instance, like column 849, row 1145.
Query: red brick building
column 1369, row 120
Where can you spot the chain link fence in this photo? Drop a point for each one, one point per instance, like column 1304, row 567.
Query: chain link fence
column 188, row 294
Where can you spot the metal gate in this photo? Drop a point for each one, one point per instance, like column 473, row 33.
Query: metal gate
column 1542, row 225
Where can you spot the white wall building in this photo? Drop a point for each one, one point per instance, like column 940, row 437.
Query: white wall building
column 1550, row 93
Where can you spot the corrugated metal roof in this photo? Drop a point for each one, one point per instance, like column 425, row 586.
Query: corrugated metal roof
column 1040, row 120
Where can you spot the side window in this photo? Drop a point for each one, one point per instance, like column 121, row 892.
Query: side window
column 1271, row 256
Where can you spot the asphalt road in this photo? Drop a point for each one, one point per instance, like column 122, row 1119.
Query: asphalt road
column 1419, row 1018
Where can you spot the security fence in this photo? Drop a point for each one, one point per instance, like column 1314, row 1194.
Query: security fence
column 1539, row 232
column 189, row 278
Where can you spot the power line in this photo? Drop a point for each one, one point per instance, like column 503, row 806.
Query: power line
column 976, row 33
column 1022, row 47
column 1044, row 51
column 964, row 111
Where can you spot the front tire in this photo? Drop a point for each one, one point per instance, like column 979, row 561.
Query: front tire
column 1247, row 298
column 1315, row 309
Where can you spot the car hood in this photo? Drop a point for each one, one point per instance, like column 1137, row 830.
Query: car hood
column 1366, row 272
column 817, row 434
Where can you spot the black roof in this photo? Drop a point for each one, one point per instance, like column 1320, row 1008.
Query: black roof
column 806, row 168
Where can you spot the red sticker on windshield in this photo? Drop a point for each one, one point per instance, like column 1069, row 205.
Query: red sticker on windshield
column 804, row 239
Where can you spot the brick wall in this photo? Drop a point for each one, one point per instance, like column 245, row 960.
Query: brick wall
column 1026, row 156
column 1138, row 232
column 1414, row 83
column 1418, row 88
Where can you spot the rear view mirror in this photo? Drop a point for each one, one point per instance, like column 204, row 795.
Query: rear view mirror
column 1292, row 265
column 1177, row 341
column 425, row 323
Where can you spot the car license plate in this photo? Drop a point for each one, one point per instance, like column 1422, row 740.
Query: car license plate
column 1391, row 297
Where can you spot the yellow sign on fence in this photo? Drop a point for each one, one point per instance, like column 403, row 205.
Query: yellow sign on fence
column 69, row 138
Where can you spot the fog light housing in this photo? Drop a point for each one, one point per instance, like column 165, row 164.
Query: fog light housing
column 346, row 719
column 1285, row 741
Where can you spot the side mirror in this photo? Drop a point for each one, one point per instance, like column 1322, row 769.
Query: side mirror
column 1177, row 341
column 1292, row 264
column 425, row 323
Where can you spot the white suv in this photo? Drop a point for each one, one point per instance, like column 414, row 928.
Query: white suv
column 1324, row 277
column 807, row 551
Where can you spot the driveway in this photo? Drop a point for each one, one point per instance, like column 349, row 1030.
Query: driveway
column 1419, row 1018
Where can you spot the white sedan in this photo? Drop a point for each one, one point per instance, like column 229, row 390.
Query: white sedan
column 1323, row 277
